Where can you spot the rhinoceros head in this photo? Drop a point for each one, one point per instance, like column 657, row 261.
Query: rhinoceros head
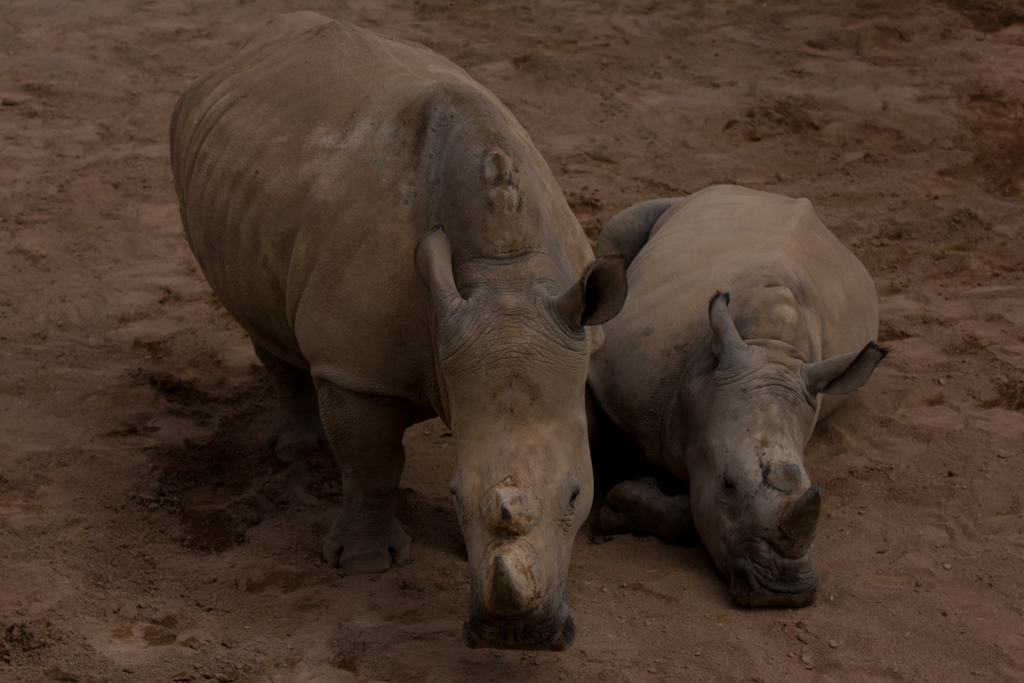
column 513, row 365
column 753, row 504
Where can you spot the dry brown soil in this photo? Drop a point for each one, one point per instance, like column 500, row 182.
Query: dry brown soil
column 145, row 534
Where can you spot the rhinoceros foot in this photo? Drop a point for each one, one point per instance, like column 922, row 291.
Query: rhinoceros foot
column 640, row 508
column 361, row 554
column 291, row 444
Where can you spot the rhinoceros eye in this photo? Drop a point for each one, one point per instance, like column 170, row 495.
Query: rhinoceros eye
column 572, row 487
column 731, row 478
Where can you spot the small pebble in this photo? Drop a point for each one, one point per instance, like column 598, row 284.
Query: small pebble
column 947, row 565
column 833, row 644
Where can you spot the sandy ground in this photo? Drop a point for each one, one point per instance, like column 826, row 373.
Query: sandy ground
column 145, row 535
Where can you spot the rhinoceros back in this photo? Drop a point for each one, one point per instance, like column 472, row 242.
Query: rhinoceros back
column 788, row 276
column 297, row 179
column 750, row 243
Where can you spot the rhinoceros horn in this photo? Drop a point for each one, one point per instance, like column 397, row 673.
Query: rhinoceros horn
column 510, row 583
column 509, row 509
column 798, row 520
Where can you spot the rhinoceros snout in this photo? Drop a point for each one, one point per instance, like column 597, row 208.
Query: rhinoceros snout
column 795, row 584
column 510, row 608
column 547, row 628
column 558, row 639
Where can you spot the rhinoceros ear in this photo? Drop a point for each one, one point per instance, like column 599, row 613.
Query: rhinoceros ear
column 628, row 231
column 598, row 295
column 842, row 374
column 434, row 263
column 726, row 339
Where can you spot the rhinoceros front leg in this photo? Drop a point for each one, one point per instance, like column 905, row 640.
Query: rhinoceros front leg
column 366, row 434
column 297, row 430
column 639, row 507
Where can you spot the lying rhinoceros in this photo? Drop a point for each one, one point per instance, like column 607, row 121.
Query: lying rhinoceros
column 728, row 407
column 389, row 237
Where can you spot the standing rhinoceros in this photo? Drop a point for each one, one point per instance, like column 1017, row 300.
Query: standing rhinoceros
column 729, row 407
column 389, row 237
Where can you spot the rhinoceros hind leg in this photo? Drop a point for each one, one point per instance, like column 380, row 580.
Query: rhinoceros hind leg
column 366, row 434
column 297, row 431
column 639, row 507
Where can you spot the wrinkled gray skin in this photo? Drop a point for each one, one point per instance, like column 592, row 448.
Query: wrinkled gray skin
column 315, row 170
column 725, row 396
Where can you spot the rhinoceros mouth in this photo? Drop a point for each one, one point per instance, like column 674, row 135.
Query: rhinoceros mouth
column 793, row 584
column 531, row 632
